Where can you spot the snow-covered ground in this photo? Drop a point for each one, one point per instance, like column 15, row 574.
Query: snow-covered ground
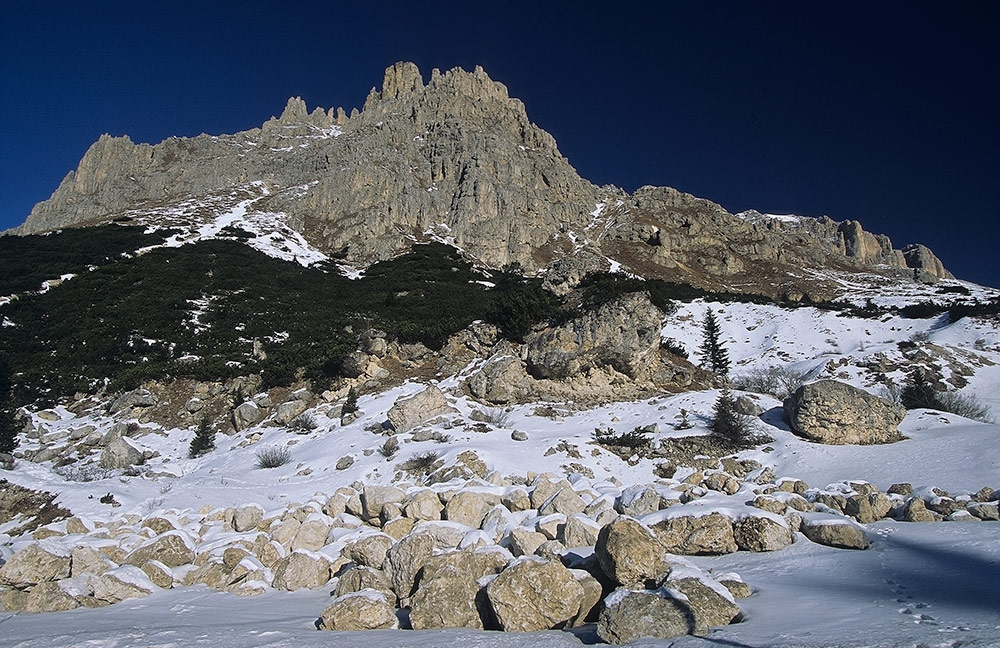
column 929, row 585
column 918, row 585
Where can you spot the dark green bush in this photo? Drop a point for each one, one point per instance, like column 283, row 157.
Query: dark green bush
column 634, row 439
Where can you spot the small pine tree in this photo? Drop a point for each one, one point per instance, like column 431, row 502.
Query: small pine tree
column 683, row 423
column 919, row 393
column 351, row 404
column 729, row 427
column 204, row 439
column 713, row 355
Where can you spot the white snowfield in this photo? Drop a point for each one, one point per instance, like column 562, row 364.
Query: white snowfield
column 919, row 585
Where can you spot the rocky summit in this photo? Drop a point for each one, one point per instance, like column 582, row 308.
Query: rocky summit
column 407, row 364
column 457, row 159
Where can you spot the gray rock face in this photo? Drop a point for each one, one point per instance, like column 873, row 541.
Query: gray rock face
column 837, row 413
column 623, row 334
column 456, row 151
column 410, row 412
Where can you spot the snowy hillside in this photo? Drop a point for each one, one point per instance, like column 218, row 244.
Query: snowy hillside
column 929, row 584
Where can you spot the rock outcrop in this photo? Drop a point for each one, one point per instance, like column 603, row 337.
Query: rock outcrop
column 623, row 334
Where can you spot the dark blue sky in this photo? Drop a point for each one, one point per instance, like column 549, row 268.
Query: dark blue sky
column 881, row 112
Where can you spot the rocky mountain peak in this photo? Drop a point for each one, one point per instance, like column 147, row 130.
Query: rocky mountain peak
column 457, row 159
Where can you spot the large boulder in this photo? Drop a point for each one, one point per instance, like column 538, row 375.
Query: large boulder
column 301, row 569
column 629, row 615
column 707, row 534
column 39, row 562
column 630, row 554
column 710, row 602
column 623, row 334
column 123, row 583
column 407, row 413
column 120, row 453
column 405, row 560
column 834, row 531
column 173, row 549
column 762, row 533
column 246, row 415
column 364, row 610
column 475, row 564
column 312, row 533
column 534, row 594
column 469, row 507
column 502, row 380
column 370, row 550
column 48, row 597
column 361, row 578
column 836, row 413
column 447, row 602
column 423, row 505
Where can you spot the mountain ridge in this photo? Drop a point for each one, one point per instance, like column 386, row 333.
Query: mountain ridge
column 457, row 158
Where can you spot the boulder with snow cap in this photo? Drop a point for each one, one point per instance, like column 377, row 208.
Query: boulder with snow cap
column 409, row 412
column 312, row 533
column 706, row 534
column 630, row 554
column 709, row 602
column 49, row 597
column 837, row 413
column 834, row 531
column 39, row 562
column 631, row 614
column 364, row 610
column 122, row 583
column 370, row 550
column 119, row 454
column 761, row 533
column 301, row 569
column 173, row 549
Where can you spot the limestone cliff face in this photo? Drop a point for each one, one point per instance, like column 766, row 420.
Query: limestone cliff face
column 458, row 159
